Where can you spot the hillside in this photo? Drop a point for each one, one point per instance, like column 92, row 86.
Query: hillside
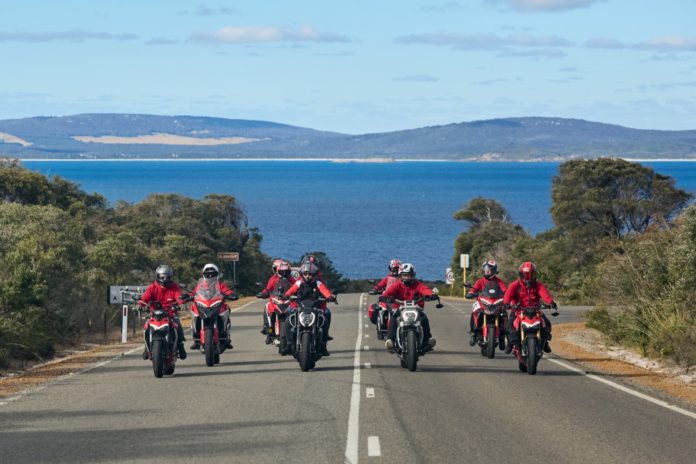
column 148, row 136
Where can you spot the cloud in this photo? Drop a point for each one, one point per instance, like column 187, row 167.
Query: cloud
column 496, row 81
column 545, row 6
column 416, row 78
column 664, row 44
column 204, row 10
column 483, row 41
column 265, row 34
column 538, row 53
column 74, row 35
column 161, row 41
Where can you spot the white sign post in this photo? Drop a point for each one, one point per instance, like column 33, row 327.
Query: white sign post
column 230, row 257
column 464, row 263
column 449, row 276
column 123, row 295
column 124, row 325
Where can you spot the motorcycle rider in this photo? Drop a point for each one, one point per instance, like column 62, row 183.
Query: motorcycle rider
column 392, row 277
column 308, row 286
column 408, row 288
column 168, row 293
column 280, row 282
column 308, row 258
column 491, row 284
column 211, row 277
column 526, row 292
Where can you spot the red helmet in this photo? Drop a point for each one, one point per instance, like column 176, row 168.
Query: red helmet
column 394, row 265
column 489, row 268
column 283, row 269
column 527, row 271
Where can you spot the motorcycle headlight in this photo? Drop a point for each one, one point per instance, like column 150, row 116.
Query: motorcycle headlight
column 409, row 317
column 307, row 319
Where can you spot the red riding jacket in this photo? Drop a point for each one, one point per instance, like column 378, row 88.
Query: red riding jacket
column 402, row 291
column 385, row 283
column 164, row 294
column 518, row 293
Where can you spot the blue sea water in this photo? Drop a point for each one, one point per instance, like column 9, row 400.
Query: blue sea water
column 360, row 214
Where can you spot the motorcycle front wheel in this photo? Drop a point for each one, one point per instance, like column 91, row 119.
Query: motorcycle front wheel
column 157, row 359
column 411, row 353
column 532, row 357
column 490, row 344
column 305, row 351
column 209, row 347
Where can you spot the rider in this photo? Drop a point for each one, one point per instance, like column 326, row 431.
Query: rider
column 383, row 284
column 320, row 277
column 491, row 284
column 168, row 293
column 527, row 292
column 278, row 283
column 308, row 286
column 211, row 277
column 408, row 288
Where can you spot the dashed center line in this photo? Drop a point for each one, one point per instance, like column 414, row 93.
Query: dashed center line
column 370, row 392
column 373, row 448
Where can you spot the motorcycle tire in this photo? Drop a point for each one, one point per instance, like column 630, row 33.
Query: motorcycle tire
column 305, row 352
column 157, row 358
column 209, row 347
column 169, row 370
column 216, row 359
column 411, row 351
column 532, row 356
column 403, row 363
column 490, row 344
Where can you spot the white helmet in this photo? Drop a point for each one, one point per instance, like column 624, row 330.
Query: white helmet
column 407, row 272
column 210, row 270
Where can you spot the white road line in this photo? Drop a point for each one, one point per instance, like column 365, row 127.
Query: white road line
column 370, row 392
column 367, row 326
column 243, row 306
column 353, row 437
column 373, row 448
column 366, row 348
column 624, row 389
column 367, row 335
column 368, row 366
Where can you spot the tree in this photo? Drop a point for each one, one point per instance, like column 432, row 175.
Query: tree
column 481, row 210
column 609, row 197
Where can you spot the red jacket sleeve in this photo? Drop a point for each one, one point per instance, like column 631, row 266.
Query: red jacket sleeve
column 478, row 285
column 150, row 293
column 502, row 284
column 544, row 293
column 510, row 296
column 292, row 290
column 224, row 289
column 382, row 284
column 271, row 284
column 423, row 289
column 394, row 290
column 323, row 289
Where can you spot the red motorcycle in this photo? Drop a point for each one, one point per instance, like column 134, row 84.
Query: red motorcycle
column 379, row 315
column 161, row 338
column 490, row 304
column 210, row 314
column 529, row 324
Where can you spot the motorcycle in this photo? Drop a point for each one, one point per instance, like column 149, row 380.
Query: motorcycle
column 161, row 338
column 208, row 312
column 274, row 314
column 409, row 334
column 307, row 324
column 379, row 314
column 490, row 303
column 529, row 323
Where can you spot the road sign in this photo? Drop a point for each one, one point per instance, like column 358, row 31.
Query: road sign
column 464, row 261
column 449, row 276
column 125, row 294
column 228, row 256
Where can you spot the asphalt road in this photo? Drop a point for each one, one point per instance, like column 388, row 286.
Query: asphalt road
column 358, row 405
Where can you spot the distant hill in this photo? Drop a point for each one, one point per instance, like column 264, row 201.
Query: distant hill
column 148, row 136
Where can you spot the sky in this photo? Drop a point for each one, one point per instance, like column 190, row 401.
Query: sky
column 353, row 67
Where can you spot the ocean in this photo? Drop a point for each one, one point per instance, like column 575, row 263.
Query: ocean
column 360, row 214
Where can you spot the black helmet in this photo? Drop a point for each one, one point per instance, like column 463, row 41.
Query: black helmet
column 308, row 272
column 164, row 274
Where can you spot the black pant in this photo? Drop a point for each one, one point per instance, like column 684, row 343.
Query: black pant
column 394, row 322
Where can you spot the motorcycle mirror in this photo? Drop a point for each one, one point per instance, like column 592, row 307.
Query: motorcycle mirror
column 439, row 306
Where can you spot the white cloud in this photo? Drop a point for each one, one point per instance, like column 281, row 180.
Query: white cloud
column 664, row 44
column 74, row 35
column 266, row 34
column 204, row 10
column 416, row 78
column 161, row 41
column 443, row 7
column 483, row 41
column 536, row 6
